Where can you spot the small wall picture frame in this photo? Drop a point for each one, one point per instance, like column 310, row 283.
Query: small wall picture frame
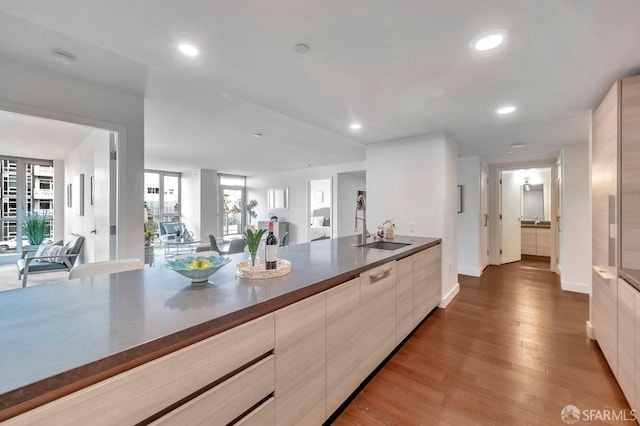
column 69, row 195
column 77, row 195
column 93, row 190
column 460, row 198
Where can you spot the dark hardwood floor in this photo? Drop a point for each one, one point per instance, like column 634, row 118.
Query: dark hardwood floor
column 510, row 349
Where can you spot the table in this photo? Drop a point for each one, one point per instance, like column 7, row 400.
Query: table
column 180, row 244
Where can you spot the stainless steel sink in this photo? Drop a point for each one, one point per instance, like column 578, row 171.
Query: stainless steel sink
column 385, row 245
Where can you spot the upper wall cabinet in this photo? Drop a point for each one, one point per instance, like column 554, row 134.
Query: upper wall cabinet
column 630, row 174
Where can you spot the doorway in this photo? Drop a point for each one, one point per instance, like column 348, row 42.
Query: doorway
column 74, row 159
column 526, row 199
column 320, row 209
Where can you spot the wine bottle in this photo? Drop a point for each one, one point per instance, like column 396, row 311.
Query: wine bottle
column 271, row 249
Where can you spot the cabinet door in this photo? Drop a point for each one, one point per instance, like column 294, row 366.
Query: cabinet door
column 627, row 340
column 300, row 351
column 630, row 173
column 434, row 277
column 343, row 343
column 377, row 316
column 604, row 317
column 604, row 180
column 404, row 298
column 637, row 403
column 528, row 241
column 543, row 242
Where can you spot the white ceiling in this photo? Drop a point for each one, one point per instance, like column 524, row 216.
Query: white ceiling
column 33, row 137
column 401, row 68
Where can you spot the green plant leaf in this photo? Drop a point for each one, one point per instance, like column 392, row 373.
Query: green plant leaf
column 253, row 239
column 34, row 227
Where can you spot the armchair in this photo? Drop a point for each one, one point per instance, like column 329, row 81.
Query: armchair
column 169, row 231
column 32, row 264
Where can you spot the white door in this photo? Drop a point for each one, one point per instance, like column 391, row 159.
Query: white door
column 484, row 217
column 102, row 190
column 510, row 210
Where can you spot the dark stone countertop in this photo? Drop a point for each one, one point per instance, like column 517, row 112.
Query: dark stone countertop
column 62, row 336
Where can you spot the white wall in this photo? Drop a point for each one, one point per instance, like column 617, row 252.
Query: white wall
column 28, row 90
column 414, row 181
column 469, row 261
column 297, row 181
column 82, row 161
column 199, row 200
column 576, row 209
column 348, row 186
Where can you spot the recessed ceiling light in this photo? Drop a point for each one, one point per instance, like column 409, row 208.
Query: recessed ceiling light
column 509, row 152
column 62, row 57
column 355, row 126
column 257, row 135
column 188, row 49
column 506, row 109
column 517, row 145
column 301, row 48
column 489, row 40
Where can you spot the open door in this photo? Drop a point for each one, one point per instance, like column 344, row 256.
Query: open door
column 510, row 214
column 484, row 217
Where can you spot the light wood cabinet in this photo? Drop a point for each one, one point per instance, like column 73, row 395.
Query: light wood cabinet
column 377, row 316
column 604, row 180
column 343, row 343
column 603, row 317
column 427, row 282
column 543, row 242
column 528, row 241
column 264, row 415
column 536, row 241
column 630, row 173
column 227, row 401
column 637, row 300
column 404, row 298
column 141, row 392
column 627, row 340
column 300, row 351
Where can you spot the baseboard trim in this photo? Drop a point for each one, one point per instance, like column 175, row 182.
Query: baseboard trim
column 575, row 287
column 590, row 334
column 450, row 296
column 470, row 271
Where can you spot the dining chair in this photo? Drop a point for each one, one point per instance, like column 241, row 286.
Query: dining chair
column 285, row 239
column 214, row 245
column 104, row 268
column 237, row 246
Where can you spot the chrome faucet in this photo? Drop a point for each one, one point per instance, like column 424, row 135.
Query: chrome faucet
column 361, row 204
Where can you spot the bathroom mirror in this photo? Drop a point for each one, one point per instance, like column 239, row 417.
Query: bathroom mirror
column 278, row 198
column 534, row 202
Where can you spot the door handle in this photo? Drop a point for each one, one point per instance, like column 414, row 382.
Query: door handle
column 95, row 231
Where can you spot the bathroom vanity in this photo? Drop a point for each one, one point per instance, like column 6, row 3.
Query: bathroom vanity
column 147, row 347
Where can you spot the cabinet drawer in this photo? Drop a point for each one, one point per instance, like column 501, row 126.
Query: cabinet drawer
column 143, row 391
column 528, row 241
column 228, row 400
column 264, row 415
column 378, row 319
column 626, row 340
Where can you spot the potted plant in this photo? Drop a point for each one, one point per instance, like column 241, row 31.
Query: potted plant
column 253, row 242
column 251, row 211
column 34, row 227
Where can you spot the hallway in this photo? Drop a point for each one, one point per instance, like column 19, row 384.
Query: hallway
column 510, row 349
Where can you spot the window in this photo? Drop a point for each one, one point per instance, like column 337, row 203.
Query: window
column 27, row 186
column 232, row 200
column 161, row 198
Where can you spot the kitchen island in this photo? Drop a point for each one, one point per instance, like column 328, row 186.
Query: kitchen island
column 70, row 338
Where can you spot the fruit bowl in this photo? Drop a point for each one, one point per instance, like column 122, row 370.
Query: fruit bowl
column 190, row 268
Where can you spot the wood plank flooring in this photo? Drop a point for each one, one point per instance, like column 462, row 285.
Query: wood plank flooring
column 510, row 349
